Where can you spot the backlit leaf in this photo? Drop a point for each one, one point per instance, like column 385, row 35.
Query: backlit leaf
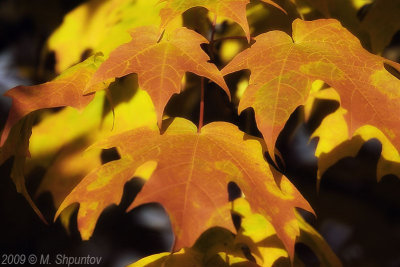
column 60, row 147
column 231, row 9
column 219, row 247
column 99, row 26
column 160, row 65
column 375, row 29
column 346, row 11
column 259, row 235
column 190, row 181
column 282, row 70
column 184, row 257
column 65, row 90
column 335, row 143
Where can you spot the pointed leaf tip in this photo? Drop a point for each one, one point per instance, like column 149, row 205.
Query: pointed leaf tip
column 191, row 178
column 282, row 72
column 65, row 90
column 160, row 65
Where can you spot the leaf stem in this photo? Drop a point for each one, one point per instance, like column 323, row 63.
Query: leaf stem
column 210, row 50
column 201, row 115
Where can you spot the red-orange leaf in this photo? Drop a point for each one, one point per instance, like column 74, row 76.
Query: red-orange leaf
column 66, row 90
column 231, row 9
column 190, row 180
column 160, row 65
column 283, row 68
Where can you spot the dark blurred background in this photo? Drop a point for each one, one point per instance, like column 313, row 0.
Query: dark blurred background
column 358, row 217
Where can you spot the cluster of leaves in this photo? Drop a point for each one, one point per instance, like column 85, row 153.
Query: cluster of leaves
column 187, row 167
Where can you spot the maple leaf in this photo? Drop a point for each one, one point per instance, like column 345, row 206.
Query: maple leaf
column 258, row 234
column 375, row 29
column 65, row 90
column 335, row 143
column 215, row 247
column 100, row 26
column 231, row 9
column 184, row 257
column 282, row 70
column 60, row 148
column 218, row 245
column 190, row 180
column 160, row 65
column 346, row 11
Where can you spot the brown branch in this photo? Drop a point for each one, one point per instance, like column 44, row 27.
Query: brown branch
column 201, row 115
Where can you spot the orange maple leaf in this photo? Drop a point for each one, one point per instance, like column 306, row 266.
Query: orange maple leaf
column 190, row 180
column 65, row 90
column 283, row 68
column 231, row 9
column 160, row 65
